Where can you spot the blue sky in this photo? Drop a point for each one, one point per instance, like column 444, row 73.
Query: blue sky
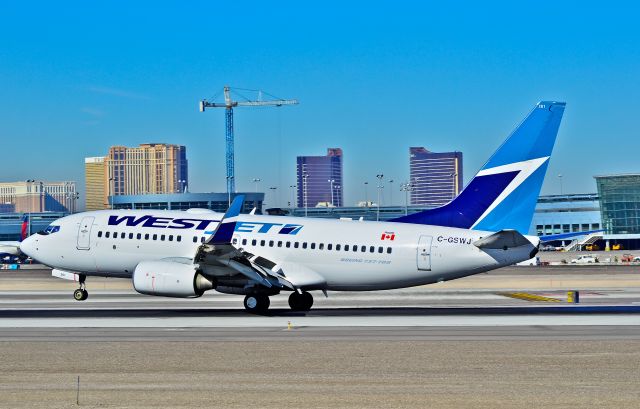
column 372, row 77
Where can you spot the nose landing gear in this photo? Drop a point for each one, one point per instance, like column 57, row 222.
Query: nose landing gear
column 81, row 293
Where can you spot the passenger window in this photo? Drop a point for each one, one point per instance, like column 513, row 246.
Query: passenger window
column 355, row 248
column 115, row 235
column 380, row 250
column 234, row 241
column 313, row 246
column 372, row 249
column 155, row 237
column 338, row 247
column 321, row 246
column 195, row 239
column 346, row 247
column 162, row 237
column 106, row 235
column 262, row 243
column 296, row 245
column 329, row 246
column 288, row 245
column 130, row 236
column 99, row 234
column 270, row 243
column 139, row 236
column 123, row 235
column 363, row 249
column 171, row 237
column 202, row 239
column 146, row 236
column 244, row 242
column 304, row 245
column 179, row 238
column 388, row 250
column 254, row 242
column 279, row 244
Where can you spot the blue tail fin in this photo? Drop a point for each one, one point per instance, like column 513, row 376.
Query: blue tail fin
column 503, row 194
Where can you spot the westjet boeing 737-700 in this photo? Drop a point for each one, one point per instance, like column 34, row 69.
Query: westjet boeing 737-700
column 185, row 253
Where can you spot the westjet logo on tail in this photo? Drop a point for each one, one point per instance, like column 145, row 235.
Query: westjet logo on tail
column 160, row 222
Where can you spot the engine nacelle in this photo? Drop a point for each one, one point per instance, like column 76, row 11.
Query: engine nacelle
column 170, row 279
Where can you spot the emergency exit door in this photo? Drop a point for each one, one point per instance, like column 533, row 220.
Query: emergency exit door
column 424, row 253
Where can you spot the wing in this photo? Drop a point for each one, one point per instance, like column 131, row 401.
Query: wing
column 226, row 260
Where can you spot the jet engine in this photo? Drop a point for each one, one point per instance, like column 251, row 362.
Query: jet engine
column 170, row 279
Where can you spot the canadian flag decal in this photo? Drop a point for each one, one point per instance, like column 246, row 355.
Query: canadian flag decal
column 388, row 235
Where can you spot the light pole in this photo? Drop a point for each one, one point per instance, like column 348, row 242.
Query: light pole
column 331, row 181
column 305, row 175
column 390, row 192
column 293, row 197
column 380, row 186
column 560, row 177
column 454, row 175
column 406, row 188
column 273, row 190
column 256, row 181
column 111, row 191
column 366, row 196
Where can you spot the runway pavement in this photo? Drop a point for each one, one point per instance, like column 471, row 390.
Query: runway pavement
column 441, row 346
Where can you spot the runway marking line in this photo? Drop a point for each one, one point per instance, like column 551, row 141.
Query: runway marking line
column 529, row 297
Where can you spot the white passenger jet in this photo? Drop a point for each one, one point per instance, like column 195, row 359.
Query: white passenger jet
column 185, row 253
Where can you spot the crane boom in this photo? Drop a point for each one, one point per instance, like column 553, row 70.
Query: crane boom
column 229, row 104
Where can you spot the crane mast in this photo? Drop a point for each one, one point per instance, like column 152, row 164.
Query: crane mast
column 229, row 104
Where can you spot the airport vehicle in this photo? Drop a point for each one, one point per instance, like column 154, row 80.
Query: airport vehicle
column 585, row 259
column 626, row 258
column 185, row 253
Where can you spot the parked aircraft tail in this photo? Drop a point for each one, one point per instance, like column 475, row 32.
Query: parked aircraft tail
column 504, row 192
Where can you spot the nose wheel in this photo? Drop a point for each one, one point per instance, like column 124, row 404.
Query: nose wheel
column 81, row 293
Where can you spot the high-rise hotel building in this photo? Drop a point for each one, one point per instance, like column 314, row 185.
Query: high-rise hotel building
column 436, row 178
column 151, row 168
column 319, row 179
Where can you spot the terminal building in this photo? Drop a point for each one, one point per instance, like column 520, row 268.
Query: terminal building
column 11, row 224
column 218, row 202
column 620, row 208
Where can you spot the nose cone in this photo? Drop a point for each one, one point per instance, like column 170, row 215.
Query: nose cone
column 28, row 246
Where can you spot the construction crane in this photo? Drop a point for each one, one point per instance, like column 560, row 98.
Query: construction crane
column 229, row 104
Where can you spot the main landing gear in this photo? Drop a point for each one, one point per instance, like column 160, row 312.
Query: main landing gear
column 259, row 303
column 81, row 293
column 300, row 301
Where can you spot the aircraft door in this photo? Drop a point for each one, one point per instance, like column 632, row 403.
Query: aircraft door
column 84, row 233
column 424, row 253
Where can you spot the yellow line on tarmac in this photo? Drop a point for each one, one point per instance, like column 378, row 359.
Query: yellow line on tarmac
column 529, row 297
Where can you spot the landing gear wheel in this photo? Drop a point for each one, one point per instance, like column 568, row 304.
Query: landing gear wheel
column 256, row 303
column 80, row 294
column 300, row 302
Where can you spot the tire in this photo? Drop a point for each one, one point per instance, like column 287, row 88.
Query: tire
column 85, row 294
column 79, row 295
column 256, row 303
column 300, row 302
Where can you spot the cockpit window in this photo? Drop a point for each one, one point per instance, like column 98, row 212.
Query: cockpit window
column 52, row 229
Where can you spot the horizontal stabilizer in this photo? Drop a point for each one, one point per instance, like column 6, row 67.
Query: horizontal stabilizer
column 504, row 239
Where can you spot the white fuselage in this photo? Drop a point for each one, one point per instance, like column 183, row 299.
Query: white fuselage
column 348, row 254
